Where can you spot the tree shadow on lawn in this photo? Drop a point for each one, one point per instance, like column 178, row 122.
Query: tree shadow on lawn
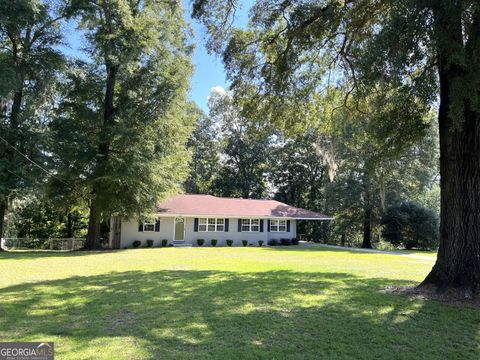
column 210, row 314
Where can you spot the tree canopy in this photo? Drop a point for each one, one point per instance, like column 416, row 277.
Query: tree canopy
column 419, row 51
column 29, row 66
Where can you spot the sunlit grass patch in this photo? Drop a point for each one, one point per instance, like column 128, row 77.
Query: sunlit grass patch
column 228, row 302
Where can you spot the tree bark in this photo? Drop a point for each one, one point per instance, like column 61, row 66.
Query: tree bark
column 3, row 210
column 93, row 234
column 342, row 239
column 458, row 260
column 367, row 228
column 69, row 227
column 367, row 214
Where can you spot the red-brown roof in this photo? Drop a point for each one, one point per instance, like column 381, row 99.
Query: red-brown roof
column 212, row 205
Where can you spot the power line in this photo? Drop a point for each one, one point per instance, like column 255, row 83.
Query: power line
column 33, row 162
column 18, row 176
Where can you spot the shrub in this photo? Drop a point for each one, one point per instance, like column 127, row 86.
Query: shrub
column 294, row 241
column 200, row 242
column 229, row 242
column 149, row 243
column 136, row 243
column 272, row 242
column 410, row 225
column 245, row 242
column 213, row 242
column 165, row 243
column 170, row 245
column 285, row 242
column 260, row 243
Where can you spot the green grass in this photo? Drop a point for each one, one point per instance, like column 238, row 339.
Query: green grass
column 236, row 303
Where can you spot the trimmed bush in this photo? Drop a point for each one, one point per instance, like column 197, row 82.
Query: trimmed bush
column 200, row 242
column 245, row 242
column 260, row 243
column 149, row 243
column 229, row 242
column 213, row 242
column 285, row 242
column 165, row 242
column 294, row 241
column 272, row 242
column 136, row 243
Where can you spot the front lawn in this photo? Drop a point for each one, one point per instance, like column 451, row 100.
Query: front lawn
column 228, row 303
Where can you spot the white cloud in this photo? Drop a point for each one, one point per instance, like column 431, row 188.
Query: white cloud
column 218, row 90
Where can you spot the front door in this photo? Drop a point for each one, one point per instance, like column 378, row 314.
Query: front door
column 179, row 229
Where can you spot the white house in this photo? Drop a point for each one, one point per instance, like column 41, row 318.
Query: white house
column 185, row 218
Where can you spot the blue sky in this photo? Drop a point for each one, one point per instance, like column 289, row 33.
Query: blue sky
column 209, row 71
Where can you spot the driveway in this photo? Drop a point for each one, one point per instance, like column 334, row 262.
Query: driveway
column 373, row 251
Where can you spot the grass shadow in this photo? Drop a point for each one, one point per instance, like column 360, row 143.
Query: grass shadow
column 219, row 314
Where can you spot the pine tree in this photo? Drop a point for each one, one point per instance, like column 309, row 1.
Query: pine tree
column 29, row 66
column 119, row 138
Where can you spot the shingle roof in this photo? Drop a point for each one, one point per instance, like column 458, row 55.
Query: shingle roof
column 219, row 206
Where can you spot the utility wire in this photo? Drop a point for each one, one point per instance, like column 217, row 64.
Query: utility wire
column 33, row 162
column 18, row 176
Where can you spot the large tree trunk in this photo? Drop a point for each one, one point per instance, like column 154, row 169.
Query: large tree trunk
column 3, row 210
column 367, row 228
column 69, row 227
column 93, row 234
column 458, row 261
column 367, row 217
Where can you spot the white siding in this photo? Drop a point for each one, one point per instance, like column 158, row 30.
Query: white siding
column 130, row 233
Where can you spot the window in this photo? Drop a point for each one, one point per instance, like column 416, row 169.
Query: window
column 211, row 225
column 250, row 225
column 148, row 227
column 278, row 225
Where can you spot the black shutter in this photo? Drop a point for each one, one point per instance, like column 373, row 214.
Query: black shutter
column 288, row 225
column 195, row 225
column 157, row 225
column 140, row 226
column 261, row 225
column 268, row 225
column 226, row 225
column 239, row 225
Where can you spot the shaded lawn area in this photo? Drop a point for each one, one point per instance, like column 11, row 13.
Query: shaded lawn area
column 237, row 303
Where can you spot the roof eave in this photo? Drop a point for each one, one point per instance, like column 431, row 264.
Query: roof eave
column 242, row 216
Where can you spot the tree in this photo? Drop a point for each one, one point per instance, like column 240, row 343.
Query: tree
column 120, row 133
column 424, row 49
column 38, row 217
column 245, row 144
column 29, row 65
column 374, row 165
column 299, row 173
column 205, row 163
column 410, row 225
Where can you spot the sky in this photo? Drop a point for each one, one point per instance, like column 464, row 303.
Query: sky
column 209, row 71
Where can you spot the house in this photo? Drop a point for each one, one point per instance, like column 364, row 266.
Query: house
column 185, row 218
